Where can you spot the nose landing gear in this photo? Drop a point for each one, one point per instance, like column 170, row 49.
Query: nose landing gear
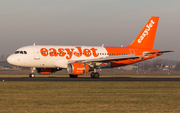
column 32, row 75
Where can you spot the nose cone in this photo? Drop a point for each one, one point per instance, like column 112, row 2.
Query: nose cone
column 11, row 60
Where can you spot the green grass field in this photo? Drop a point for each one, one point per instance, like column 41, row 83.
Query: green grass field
column 88, row 97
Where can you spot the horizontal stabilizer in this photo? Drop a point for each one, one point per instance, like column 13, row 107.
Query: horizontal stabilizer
column 160, row 52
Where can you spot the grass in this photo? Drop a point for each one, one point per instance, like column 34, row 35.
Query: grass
column 88, row 97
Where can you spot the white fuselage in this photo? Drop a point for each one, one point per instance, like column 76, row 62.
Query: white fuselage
column 54, row 56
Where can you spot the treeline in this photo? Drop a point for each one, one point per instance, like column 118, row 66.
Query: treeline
column 159, row 64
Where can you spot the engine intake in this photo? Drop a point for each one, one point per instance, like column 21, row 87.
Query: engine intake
column 78, row 68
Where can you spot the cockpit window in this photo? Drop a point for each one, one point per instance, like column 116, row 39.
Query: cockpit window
column 20, row 52
column 17, row 52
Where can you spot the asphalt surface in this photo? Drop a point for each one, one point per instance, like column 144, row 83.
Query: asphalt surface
column 86, row 79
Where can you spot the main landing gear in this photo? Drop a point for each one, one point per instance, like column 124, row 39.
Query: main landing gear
column 95, row 75
column 32, row 75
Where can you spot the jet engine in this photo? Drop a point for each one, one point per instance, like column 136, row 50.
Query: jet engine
column 78, row 68
column 46, row 71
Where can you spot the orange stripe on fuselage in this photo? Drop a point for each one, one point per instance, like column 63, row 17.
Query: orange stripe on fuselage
column 113, row 51
column 127, row 51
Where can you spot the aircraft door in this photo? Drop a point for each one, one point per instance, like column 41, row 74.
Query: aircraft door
column 132, row 51
column 36, row 53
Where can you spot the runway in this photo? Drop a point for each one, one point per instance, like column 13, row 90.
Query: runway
column 86, row 79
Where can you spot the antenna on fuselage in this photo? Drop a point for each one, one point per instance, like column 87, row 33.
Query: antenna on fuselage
column 34, row 44
column 102, row 45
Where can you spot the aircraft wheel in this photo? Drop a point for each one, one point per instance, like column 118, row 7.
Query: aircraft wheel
column 31, row 75
column 73, row 76
column 92, row 75
column 96, row 75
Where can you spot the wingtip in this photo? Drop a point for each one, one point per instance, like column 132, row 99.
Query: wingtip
column 172, row 50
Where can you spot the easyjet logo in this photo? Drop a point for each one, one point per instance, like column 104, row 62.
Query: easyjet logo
column 146, row 31
column 68, row 52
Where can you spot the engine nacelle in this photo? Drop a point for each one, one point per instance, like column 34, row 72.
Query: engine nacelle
column 78, row 68
column 47, row 71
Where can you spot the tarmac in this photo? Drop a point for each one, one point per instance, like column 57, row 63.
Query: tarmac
column 86, row 79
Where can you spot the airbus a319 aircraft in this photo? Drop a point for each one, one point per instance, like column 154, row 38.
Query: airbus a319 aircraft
column 79, row 60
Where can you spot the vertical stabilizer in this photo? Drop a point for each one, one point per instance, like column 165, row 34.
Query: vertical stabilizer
column 146, row 37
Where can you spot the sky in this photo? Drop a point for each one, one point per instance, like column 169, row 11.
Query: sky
column 87, row 22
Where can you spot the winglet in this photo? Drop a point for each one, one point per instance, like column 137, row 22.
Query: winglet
column 146, row 37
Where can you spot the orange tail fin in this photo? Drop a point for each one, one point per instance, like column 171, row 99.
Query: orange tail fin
column 146, row 37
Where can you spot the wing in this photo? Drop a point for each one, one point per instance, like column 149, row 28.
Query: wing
column 108, row 58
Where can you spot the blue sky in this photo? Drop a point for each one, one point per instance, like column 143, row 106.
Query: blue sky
column 87, row 22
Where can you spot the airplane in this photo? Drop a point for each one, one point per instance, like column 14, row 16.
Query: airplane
column 79, row 60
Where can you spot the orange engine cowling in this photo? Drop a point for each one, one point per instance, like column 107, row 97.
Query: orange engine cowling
column 78, row 68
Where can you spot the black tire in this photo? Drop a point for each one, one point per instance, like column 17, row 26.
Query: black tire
column 31, row 75
column 96, row 75
column 92, row 75
column 73, row 76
